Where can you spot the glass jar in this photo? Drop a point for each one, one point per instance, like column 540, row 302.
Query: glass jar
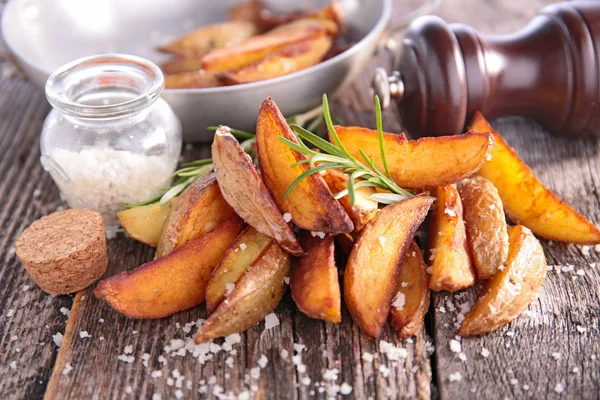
column 110, row 140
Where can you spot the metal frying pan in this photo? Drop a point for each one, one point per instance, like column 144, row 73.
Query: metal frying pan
column 45, row 34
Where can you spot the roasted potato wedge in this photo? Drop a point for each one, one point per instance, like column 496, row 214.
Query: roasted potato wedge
column 310, row 203
column 411, row 301
column 426, row 162
column 191, row 80
column 508, row 293
column 333, row 12
column 181, row 64
column 314, row 282
column 255, row 49
column 246, row 249
column 330, row 27
column 486, row 225
column 172, row 283
column 526, row 200
column 244, row 190
column 364, row 208
column 292, row 58
column 372, row 271
column 255, row 295
column 202, row 40
column 452, row 268
column 144, row 223
column 199, row 209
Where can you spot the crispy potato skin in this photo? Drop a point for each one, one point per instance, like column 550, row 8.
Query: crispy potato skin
column 202, row 40
column 191, row 80
column 292, row 58
column 426, row 162
column 245, row 191
column 255, row 295
column 371, row 276
column 144, row 223
column 314, row 282
column 364, row 209
column 172, row 283
column 180, row 64
column 526, row 200
column 234, row 263
column 254, row 49
column 486, row 225
column 199, row 209
column 310, row 203
column 413, row 283
column 449, row 253
column 511, row 290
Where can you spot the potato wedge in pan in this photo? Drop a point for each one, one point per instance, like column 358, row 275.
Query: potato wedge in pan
column 199, row 209
column 191, row 80
column 244, row 190
column 144, row 223
column 330, row 27
column 411, row 302
column 310, row 203
column 247, row 248
column 508, row 293
column 452, row 268
column 372, row 271
column 171, row 283
column 255, row 295
column 270, row 21
column 204, row 39
column 526, row 200
column 426, row 162
column 486, row 225
column 364, row 209
column 181, row 64
column 314, row 281
column 292, row 58
column 255, row 49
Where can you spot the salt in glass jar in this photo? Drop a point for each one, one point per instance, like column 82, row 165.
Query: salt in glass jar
column 110, row 140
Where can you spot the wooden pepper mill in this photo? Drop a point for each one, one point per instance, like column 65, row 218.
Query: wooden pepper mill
column 549, row 71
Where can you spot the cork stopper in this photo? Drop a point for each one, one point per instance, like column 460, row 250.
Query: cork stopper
column 65, row 251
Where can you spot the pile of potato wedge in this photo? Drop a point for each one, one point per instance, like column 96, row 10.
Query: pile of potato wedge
column 253, row 45
column 234, row 241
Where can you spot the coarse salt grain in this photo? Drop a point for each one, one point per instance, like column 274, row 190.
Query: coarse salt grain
column 287, row 217
column 331, row 374
column 284, row 354
column 581, row 329
column 556, row 356
column 229, row 288
column 382, row 240
column 263, row 361
column 57, row 339
column 13, row 365
column 305, row 381
column 10, row 313
column 455, row 377
column 485, row 352
column 243, row 246
column 450, row 212
column 559, row 388
column 156, row 374
column 514, row 381
column 345, row 389
column 271, row 321
column 84, row 334
column 286, row 279
column 320, row 235
column 67, row 368
column 255, row 372
column 399, row 301
column 368, row 357
column 384, row 371
column 455, row 346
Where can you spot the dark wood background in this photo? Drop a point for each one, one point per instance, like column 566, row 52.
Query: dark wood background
column 521, row 363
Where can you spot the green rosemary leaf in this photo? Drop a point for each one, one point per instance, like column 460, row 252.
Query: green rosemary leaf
column 330, row 127
column 379, row 122
column 145, row 203
column 294, row 165
column 326, row 158
column 387, row 198
column 235, row 132
column 318, row 141
column 295, row 146
column 174, row 191
column 306, row 174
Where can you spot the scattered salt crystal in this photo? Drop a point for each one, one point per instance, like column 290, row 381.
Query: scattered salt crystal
column 57, row 338
column 178, row 394
column 243, row 246
column 382, row 240
column 399, row 301
column 229, row 362
column 286, row 279
column 255, row 372
column 345, row 389
column 321, row 235
column 128, row 390
column 101, row 320
column 156, row 396
column 287, row 217
column 125, row 358
column 404, row 284
column 462, row 356
column 10, row 313
column 271, row 321
column 67, row 368
column 301, row 368
column 65, row 311
column 84, row 334
column 585, row 250
column 597, row 248
column 25, row 288
column 331, row 374
column 485, row 352
column 229, row 288
column 510, row 334
column 170, row 381
column 556, row 356
column 368, row 357
column 576, row 370
column 233, row 338
column 442, row 309
column 263, row 361
column 525, row 387
column 299, row 347
column 13, row 365
column 450, row 212
column 128, row 349
column 13, row 338
column 514, row 381
column 284, row 354
column 581, row 329
column 455, row 346
column 559, row 388
column 580, row 272
column 156, row 374
column 145, row 357
column 305, row 381
column 384, row 371
column 297, row 360
column 455, row 377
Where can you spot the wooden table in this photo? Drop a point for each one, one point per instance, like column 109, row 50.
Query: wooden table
column 533, row 357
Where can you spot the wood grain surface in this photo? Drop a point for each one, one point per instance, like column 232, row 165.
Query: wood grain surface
column 535, row 356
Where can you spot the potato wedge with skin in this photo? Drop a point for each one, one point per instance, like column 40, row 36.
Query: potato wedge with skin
column 371, row 277
column 172, row 283
column 144, row 223
column 412, row 294
column 255, row 49
column 525, row 198
column 181, row 64
column 330, row 27
column 255, row 295
column 485, row 224
column 333, row 11
column 204, row 39
column 292, row 58
column 310, row 203
column 314, row 281
column 426, row 162
column 451, row 264
column 244, row 190
column 247, row 248
column 364, row 209
column 191, row 80
column 199, row 209
column 508, row 293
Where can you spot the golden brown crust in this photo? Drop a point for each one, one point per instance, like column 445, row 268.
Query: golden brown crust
column 64, row 252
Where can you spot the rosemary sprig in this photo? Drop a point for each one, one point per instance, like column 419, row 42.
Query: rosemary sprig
column 336, row 156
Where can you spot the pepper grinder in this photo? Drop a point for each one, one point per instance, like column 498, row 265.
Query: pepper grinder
column 549, row 71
